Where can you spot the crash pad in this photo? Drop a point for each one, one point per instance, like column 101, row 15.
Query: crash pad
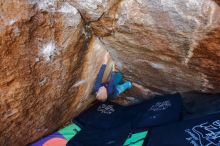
column 59, row 138
column 111, row 124
column 202, row 131
column 136, row 139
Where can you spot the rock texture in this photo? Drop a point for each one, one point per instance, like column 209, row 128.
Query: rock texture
column 167, row 46
column 51, row 51
column 47, row 68
column 93, row 10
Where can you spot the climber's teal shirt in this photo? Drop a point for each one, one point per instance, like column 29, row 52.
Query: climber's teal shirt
column 114, row 86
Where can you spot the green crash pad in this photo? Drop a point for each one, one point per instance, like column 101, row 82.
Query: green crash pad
column 136, row 139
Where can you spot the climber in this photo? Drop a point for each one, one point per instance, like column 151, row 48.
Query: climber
column 113, row 87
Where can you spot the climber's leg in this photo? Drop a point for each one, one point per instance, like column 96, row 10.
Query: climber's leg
column 115, row 79
column 122, row 87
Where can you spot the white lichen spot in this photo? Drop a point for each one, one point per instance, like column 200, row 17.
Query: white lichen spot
column 79, row 83
column 11, row 22
column 37, row 59
column 67, row 8
column 189, row 55
column 157, row 65
column 91, row 4
column 71, row 17
column 48, row 50
column 154, row 65
column 48, row 5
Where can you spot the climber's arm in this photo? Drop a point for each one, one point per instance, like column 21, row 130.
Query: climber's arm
column 98, row 81
column 111, row 82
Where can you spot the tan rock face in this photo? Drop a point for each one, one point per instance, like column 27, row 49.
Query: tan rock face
column 166, row 46
column 50, row 55
column 46, row 68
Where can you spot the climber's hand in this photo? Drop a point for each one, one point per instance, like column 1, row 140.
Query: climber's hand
column 106, row 58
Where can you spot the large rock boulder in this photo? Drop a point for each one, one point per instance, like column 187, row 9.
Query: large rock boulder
column 165, row 45
column 51, row 52
column 47, row 68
